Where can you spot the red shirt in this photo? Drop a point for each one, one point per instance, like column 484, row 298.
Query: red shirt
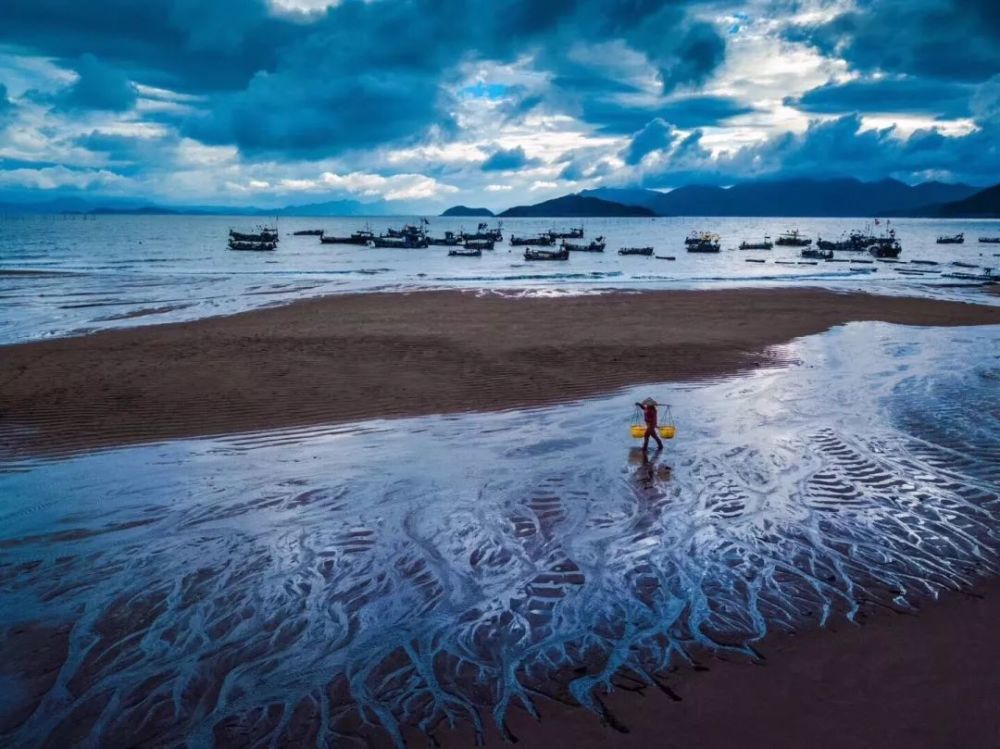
column 650, row 414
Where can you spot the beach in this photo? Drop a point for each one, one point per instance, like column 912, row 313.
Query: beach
column 392, row 517
column 362, row 356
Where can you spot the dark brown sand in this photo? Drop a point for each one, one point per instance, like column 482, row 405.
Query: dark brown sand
column 924, row 681
column 345, row 358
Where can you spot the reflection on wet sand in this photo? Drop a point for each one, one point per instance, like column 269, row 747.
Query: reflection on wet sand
column 355, row 584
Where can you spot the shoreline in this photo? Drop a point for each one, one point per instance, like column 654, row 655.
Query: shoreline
column 350, row 357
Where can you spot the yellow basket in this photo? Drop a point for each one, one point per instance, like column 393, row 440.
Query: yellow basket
column 667, row 432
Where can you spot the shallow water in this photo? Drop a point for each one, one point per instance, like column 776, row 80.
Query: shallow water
column 114, row 271
column 401, row 573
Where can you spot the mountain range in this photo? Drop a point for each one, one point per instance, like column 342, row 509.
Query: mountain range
column 577, row 206
column 799, row 197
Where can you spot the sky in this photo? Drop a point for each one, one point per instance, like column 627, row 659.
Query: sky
column 422, row 104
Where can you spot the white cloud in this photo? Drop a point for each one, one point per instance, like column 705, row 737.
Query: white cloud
column 53, row 177
column 498, row 188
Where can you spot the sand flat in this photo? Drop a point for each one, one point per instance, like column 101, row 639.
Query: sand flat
column 351, row 357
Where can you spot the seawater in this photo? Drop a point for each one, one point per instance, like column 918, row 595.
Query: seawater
column 69, row 275
column 352, row 582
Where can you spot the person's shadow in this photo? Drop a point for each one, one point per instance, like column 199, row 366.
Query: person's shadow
column 649, row 470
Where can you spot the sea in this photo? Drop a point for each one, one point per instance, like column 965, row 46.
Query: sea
column 69, row 275
column 364, row 582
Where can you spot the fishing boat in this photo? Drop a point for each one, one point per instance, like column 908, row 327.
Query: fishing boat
column 265, row 234
column 361, row 238
column 596, row 245
column 466, row 252
column 767, row 244
column 567, row 233
column 542, row 240
column 694, row 237
column 642, row 251
column 793, row 239
column 308, row 233
column 707, row 243
column 479, row 244
column 954, row 239
column 989, row 240
column 532, row 254
column 816, row 254
column 450, row 239
column 484, row 232
column 251, row 246
column 843, row 244
column 886, row 249
column 408, row 242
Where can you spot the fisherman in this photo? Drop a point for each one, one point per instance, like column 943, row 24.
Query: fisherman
column 648, row 407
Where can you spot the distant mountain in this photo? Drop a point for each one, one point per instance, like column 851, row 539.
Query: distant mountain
column 577, row 206
column 983, row 204
column 330, row 208
column 142, row 210
column 464, row 210
column 798, row 197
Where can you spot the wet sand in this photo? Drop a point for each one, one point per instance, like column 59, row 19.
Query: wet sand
column 351, row 357
column 924, row 681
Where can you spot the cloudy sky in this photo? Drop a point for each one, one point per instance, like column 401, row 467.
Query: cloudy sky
column 428, row 103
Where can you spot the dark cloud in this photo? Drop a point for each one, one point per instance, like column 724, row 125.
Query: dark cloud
column 686, row 112
column 186, row 45
column 908, row 95
column 503, row 160
column 356, row 75
column 6, row 106
column 840, row 148
column 955, row 39
column 99, row 86
column 657, row 135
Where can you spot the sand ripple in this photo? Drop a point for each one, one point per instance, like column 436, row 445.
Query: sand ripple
column 349, row 585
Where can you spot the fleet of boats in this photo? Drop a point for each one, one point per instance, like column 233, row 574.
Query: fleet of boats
column 883, row 247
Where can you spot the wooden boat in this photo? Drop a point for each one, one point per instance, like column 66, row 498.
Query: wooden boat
column 542, row 240
column 989, row 240
column 755, row 260
column 924, row 262
column 642, row 251
column 567, row 234
column 959, row 264
column 450, row 239
column 246, row 246
column 888, row 249
column 844, row 244
column 308, row 233
column 479, row 244
column 816, row 254
column 465, row 253
column 597, row 245
column 793, row 239
column 531, row 254
column 360, row 238
column 707, row 243
column 767, row 244
column 665, row 257
column 955, row 239
column 264, row 235
column 483, row 232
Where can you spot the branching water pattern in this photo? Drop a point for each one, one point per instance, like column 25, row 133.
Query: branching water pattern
column 355, row 584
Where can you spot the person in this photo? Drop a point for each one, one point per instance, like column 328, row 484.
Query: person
column 648, row 407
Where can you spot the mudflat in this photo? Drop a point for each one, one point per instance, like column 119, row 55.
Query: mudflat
column 351, row 357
